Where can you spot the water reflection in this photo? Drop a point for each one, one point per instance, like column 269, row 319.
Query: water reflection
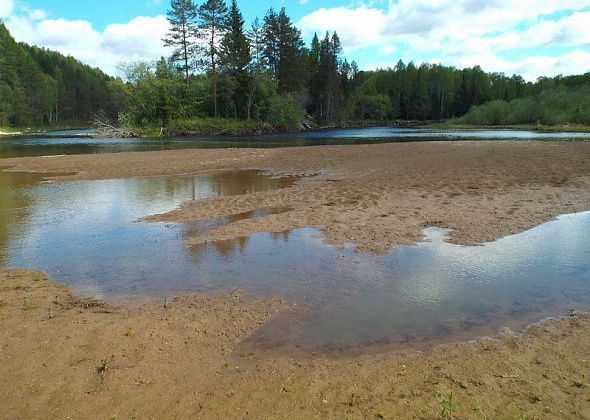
column 64, row 142
column 227, row 248
column 84, row 234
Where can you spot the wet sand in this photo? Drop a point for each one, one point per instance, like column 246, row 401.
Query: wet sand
column 375, row 196
column 62, row 357
column 188, row 359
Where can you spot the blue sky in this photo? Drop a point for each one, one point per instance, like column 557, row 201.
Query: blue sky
column 527, row 37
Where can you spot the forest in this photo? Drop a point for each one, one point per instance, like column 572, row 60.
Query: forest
column 226, row 77
column 40, row 88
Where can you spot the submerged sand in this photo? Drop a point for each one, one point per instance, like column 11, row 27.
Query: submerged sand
column 63, row 357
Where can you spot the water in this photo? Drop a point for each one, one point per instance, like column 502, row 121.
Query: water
column 86, row 234
column 78, row 142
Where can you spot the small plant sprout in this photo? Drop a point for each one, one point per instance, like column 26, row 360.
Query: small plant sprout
column 104, row 365
column 446, row 404
column 571, row 311
column 129, row 331
column 581, row 383
column 28, row 304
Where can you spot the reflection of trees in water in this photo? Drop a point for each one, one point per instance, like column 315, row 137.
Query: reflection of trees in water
column 15, row 208
column 204, row 185
column 225, row 249
column 243, row 182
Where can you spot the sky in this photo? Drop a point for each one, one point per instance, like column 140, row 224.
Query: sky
column 531, row 38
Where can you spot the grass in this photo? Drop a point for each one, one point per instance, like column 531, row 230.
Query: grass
column 446, row 405
column 129, row 331
column 37, row 276
column 581, row 383
column 28, row 304
column 104, row 365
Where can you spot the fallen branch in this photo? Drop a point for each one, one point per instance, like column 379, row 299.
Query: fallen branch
column 105, row 129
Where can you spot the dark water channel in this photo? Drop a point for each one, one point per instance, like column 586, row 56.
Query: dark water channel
column 86, row 234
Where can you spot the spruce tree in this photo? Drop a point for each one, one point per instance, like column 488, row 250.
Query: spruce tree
column 235, row 57
column 255, row 37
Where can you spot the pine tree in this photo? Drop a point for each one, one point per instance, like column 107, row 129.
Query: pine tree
column 212, row 26
column 182, row 17
column 270, row 36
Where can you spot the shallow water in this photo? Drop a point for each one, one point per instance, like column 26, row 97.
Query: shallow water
column 75, row 141
column 86, row 234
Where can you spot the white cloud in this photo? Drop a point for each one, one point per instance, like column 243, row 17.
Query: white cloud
column 6, row 8
column 356, row 27
column 465, row 30
column 138, row 39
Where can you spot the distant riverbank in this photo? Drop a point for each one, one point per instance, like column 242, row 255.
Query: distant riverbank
column 571, row 128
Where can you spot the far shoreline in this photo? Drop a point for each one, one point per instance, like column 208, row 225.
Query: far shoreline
column 245, row 130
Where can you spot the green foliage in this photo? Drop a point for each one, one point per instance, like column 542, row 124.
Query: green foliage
column 103, row 365
column 284, row 113
column 372, row 107
column 552, row 107
column 446, row 404
column 129, row 331
column 28, row 304
column 43, row 88
column 216, row 126
column 266, row 79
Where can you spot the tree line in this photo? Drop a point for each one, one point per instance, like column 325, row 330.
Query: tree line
column 222, row 72
column 39, row 87
column 267, row 73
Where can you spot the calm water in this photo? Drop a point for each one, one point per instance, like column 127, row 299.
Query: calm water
column 85, row 233
column 74, row 142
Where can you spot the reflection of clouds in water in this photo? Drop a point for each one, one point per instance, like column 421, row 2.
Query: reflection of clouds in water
column 82, row 232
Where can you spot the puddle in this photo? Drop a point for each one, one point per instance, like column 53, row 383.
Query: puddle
column 82, row 233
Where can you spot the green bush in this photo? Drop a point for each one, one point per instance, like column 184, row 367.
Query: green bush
column 372, row 107
column 284, row 113
column 551, row 107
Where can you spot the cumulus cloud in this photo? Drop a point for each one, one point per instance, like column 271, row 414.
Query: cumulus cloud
column 6, row 7
column 465, row 30
column 138, row 39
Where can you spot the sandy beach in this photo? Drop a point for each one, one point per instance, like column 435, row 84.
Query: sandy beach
column 62, row 356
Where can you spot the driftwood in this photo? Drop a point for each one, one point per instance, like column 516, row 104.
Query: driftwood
column 105, row 129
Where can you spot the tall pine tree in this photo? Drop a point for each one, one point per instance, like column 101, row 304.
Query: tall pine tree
column 181, row 36
column 212, row 26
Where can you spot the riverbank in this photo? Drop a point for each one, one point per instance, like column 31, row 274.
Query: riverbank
column 543, row 128
column 374, row 196
column 61, row 356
